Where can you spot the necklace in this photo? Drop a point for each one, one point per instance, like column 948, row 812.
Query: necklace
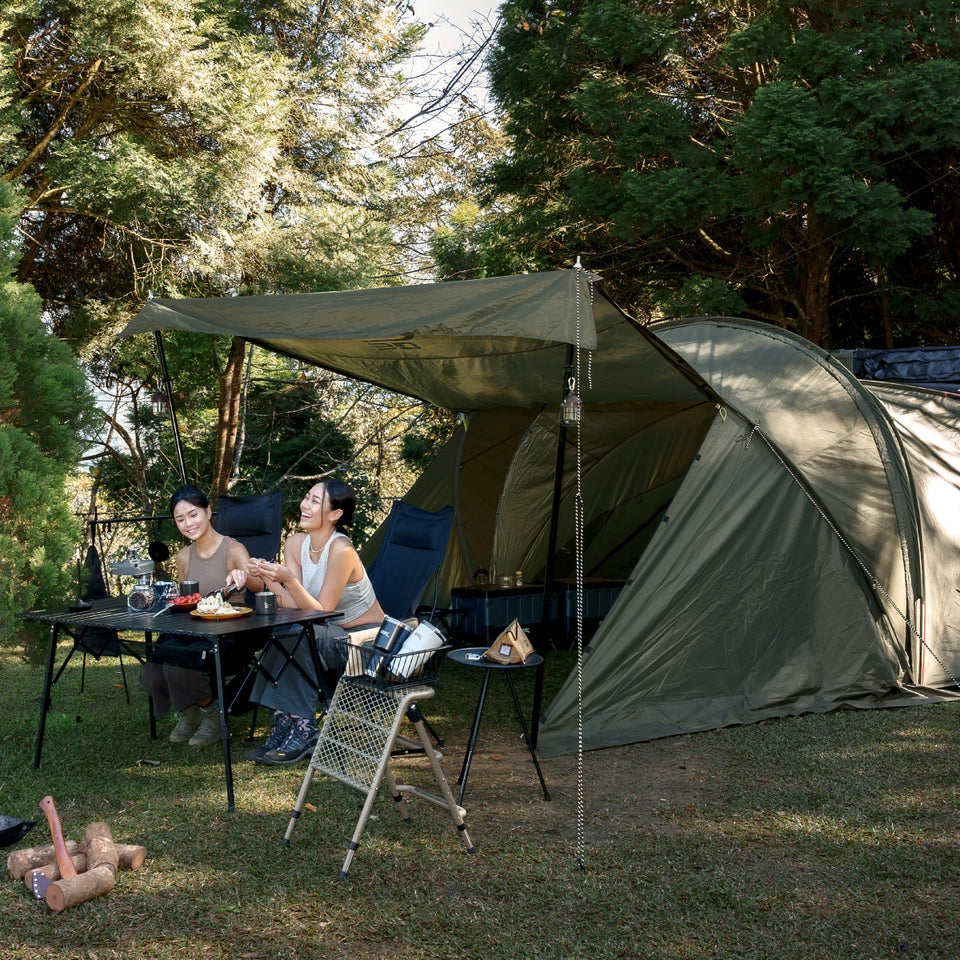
column 316, row 550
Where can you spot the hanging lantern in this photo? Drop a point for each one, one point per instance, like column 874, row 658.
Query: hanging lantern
column 158, row 404
column 571, row 409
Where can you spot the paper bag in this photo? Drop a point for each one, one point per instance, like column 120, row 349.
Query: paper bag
column 512, row 646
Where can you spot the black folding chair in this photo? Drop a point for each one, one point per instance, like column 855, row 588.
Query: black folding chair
column 256, row 521
column 414, row 544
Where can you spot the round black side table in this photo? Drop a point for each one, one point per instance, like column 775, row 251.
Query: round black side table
column 474, row 657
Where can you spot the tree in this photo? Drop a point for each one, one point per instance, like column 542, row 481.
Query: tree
column 185, row 148
column 44, row 411
column 791, row 162
column 188, row 148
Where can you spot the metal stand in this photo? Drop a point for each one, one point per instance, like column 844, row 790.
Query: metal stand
column 355, row 745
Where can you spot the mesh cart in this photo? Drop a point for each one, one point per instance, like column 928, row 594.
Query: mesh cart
column 361, row 727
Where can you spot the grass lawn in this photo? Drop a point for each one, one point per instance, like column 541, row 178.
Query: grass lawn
column 815, row 838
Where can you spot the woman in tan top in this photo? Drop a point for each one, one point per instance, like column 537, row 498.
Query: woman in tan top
column 215, row 562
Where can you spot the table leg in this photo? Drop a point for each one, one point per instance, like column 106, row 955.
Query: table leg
column 526, row 735
column 224, row 727
column 148, row 647
column 45, row 698
column 472, row 742
column 537, row 706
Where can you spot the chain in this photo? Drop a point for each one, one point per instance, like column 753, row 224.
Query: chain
column 874, row 582
column 578, row 576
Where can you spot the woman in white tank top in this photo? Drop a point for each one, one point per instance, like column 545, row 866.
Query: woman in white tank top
column 321, row 571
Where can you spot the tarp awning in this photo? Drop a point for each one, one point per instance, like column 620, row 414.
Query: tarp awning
column 474, row 344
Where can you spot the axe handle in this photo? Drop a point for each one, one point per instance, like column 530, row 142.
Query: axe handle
column 67, row 869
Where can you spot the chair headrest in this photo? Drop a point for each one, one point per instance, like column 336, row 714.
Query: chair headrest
column 410, row 532
column 246, row 516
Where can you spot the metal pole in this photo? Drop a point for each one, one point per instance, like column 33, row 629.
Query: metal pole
column 555, row 509
column 168, row 390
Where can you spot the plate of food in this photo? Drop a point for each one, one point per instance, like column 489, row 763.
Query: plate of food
column 216, row 608
column 227, row 612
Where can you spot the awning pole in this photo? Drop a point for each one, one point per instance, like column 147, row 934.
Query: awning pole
column 555, row 509
column 168, row 390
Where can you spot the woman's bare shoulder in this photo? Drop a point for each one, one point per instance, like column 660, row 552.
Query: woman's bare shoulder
column 293, row 544
column 342, row 547
column 237, row 553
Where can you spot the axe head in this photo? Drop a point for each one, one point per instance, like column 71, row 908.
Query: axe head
column 40, row 884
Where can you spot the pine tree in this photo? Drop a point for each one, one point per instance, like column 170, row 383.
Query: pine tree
column 790, row 162
column 44, row 410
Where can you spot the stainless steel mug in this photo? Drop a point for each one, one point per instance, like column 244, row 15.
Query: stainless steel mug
column 266, row 602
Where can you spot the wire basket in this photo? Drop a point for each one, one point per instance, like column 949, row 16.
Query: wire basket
column 411, row 666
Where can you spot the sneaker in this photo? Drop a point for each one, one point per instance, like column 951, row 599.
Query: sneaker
column 187, row 724
column 209, row 729
column 278, row 733
column 301, row 739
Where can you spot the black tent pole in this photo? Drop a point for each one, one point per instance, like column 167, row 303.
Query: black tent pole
column 168, row 390
column 551, row 551
column 555, row 506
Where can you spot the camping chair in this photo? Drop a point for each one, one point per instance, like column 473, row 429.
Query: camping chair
column 256, row 521
column 414, row 545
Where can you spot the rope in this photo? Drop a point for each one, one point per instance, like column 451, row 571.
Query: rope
column 874, row 582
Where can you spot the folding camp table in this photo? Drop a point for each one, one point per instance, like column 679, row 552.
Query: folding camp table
column 211, row 634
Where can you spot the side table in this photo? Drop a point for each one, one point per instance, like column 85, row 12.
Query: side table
column 474, row 657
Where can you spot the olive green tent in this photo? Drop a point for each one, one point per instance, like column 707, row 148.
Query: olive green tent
column 788, row 534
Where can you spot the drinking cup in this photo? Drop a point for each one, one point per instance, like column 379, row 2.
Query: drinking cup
column 266, row 603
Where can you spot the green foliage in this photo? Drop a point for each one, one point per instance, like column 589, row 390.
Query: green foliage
column 196, row 149
column 802, row 157
column 470, row 247
column 45, row 410
column 290, row 438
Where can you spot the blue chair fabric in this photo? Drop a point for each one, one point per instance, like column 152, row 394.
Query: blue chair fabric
column 413, row 547
column 256, row 521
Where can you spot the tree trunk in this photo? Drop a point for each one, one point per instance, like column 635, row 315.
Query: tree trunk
column 228, row 416
column 815, row 284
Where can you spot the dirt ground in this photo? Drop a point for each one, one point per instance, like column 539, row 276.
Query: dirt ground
column 623, row 787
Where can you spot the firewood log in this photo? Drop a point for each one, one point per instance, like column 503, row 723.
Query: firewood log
column 69, row 891
column 20, row 861
column 99, row 847
column 130, row 857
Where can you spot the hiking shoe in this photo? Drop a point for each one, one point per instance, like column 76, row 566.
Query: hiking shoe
column 300, row 742
column 187, row 724
column 278, row 733
column 209, row 729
